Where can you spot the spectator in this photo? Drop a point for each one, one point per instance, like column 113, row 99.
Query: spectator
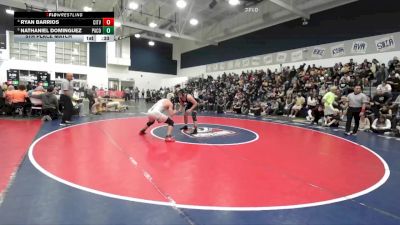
column 4, row 86
column 19, row 99
column 127, row 94
column 289, row 102
column 298, row 105
column 378, row 101
column 29, row 86
column 343, row 106
column 385, row 88
column 328, row 100
column 1, row 93
column 386, row 111
column 394, row 82
column 50, row 109
column 396, row 118
column 256, row 109
column 38, row 90
column 365, row 124
column 381, row 74
column 317, row 114
column 221, row 104
column 136, row 94
column 312, row 102
column 237, row 107
column 245, row 107
column 333, row 119
column 381, row 125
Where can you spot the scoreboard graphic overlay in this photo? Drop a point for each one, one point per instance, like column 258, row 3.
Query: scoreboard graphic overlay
column 64, row 26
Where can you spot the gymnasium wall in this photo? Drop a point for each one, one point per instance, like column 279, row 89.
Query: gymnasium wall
column 115, row 67
column 102, row 61
column 156, row 59
column 355, row 20
column 381, row 47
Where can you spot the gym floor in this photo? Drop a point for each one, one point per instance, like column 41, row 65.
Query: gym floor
column 237, row 170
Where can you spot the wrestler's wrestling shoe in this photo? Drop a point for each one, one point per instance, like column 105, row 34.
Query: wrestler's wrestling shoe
column 169, row 139
column 142, row 132
column 184, row 127
column 194, row 131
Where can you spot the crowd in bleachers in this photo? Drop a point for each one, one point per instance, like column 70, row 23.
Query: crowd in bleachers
column 31, row 101
column 300, row 92
column 292, row 92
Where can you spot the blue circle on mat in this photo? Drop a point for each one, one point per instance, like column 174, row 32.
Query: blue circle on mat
column 209, row 134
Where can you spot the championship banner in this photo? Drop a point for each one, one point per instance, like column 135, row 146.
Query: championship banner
column 359, row 47
column 281, row 57
column 267, row 59
column 385, row 44
column 318, row 52
column 297, row 55
column 337, row 50
column 255, row 61
column 245, row 62
column 238, row 63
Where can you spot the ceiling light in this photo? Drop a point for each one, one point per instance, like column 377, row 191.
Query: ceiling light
column 137, row 35
column 117, row 24
column 305, row 22
column 151, row 43
column 181, row 4
column 168, row 35
column 133, row 5
column 212, row 4
column 87, row 9
column 193, row 21
column 10, row 11
column 234, row 2
column 152, row 24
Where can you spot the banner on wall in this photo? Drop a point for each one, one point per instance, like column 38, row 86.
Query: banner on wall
column 238, row 63
column 297, row 55
column 281, row 57
column 215, row 67
column 318, row 52
column 359, row 47
column 385, row 43
column 245, row 62
column 208, row 68
column 222, row 66
column 267, row 59
column 337, row 50
column 229, row 65
column 255, row 61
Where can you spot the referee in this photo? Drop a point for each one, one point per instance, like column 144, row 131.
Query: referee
column 67, row 90
column 357, row 101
